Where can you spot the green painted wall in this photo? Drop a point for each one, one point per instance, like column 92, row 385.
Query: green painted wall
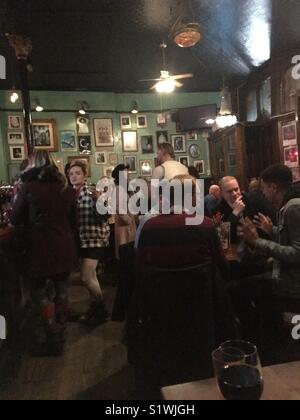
column 62, row 106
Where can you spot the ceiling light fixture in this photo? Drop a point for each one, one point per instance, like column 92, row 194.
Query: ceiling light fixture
column 187, row 35
column 226, row 118
column 186, row 31
column 165, row 86
column 38, row 106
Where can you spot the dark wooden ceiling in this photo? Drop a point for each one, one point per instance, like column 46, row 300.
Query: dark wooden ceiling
column 109, row 45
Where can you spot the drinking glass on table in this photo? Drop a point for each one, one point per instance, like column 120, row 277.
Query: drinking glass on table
column 225, row 235
column 238, row 371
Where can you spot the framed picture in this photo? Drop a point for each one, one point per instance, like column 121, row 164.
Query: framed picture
column 162, row 137
column 17, row 152
column 125, row 122
column 161, row 119
column 60, row 164
column 146, row 167
column 147, row 145
column 83, row 124
column 107, row 171
column 15, row 138
column 200, row 166
column 103, row 131
column 291, row 156
column 289, row 134
column 81, row 158
column 100, row 158
column 131, row 162
column 191, row 135
column 184, row 160
column 68, row 141
column 113, row 159
column 15, row 122
column 45, row 135
column 194, row 151
column 179, row 143
column 232, row 159
column 85, row 145
column 129, row 140
column 141, row 121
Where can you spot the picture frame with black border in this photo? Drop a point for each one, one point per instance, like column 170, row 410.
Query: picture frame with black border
column 131, row 161
column 162, row 137
column 200, row 166
column 147, row 145
column 85, row 145
column 125, row 121
column 179, row 143
column 184, row 160
column 141, row 121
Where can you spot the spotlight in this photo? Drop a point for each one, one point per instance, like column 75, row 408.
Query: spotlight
column 14, row 97
column 83, row 108
column 38, row 106
column 135, row 108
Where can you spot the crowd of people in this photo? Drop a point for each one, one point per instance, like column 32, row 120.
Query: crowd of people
column 64, row 232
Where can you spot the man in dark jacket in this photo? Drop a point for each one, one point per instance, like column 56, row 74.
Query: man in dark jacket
column 235, row 206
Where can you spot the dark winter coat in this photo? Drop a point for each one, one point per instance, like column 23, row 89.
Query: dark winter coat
column 47, row 213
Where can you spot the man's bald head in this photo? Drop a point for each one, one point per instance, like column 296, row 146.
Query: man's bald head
column 215, row 191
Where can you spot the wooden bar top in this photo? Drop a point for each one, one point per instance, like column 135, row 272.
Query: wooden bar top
column 281, row 382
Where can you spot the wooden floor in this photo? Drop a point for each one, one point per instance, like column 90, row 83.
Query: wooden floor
column 94, row 365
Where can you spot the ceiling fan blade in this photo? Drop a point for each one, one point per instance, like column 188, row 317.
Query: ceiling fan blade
column 153, row 87
column 150, row 80
column 182, row 76
column 178, row 84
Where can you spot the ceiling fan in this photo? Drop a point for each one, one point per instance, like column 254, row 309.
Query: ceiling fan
column 167, row 83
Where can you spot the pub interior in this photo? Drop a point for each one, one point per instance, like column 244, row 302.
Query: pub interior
column 99, row 99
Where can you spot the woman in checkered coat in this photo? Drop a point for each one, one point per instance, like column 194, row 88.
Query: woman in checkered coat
column 94, row 235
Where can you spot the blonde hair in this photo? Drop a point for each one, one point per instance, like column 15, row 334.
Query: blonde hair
column 42, row 159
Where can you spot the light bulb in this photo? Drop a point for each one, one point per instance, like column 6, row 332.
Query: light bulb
column 14, row 97
column 210, row 121
column 165, row 86
column 39, row 108
column 226, row 120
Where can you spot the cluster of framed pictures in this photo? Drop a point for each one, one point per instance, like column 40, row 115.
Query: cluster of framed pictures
column 15, row 138
column 126, row 121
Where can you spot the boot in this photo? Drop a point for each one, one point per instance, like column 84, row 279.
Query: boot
column 96, row 315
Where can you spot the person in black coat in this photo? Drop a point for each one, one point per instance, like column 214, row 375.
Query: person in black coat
column 235, row 205
column 45, row 208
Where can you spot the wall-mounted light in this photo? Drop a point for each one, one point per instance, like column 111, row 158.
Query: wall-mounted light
column 135, row 108
column 38, row 106
column 14, row 96
column 83, row 108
